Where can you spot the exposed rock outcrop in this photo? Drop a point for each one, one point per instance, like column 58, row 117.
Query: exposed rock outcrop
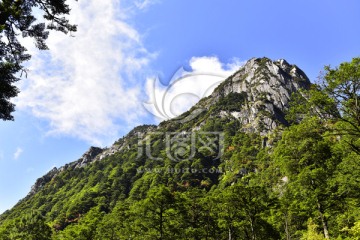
column 41, row 182
column 268, row 86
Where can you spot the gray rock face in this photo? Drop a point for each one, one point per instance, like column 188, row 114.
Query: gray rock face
column 89, row 156
column 40, row 182
column 268, row 86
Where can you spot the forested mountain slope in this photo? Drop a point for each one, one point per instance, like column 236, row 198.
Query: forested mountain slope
column 267, row 155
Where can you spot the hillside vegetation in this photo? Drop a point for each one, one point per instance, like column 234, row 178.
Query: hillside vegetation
column 271, row 156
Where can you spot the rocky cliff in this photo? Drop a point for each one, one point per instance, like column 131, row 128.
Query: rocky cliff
column 264, row 87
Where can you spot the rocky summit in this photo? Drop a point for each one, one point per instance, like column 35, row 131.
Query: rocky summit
column 266, row 87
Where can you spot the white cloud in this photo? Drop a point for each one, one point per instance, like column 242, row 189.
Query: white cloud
column 187, row 88
column 143, row 4
column 82, row 86
column 18, row 152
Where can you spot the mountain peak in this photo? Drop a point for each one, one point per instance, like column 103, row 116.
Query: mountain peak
column 268, row 86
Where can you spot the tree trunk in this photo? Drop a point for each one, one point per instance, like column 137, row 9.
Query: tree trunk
column 288, row 237
column 324, row 222
column 253, row 236
column 161, row 223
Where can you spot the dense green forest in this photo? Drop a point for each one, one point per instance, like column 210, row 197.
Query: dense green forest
column 299, row 181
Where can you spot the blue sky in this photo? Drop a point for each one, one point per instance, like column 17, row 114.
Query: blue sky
column 90, row 89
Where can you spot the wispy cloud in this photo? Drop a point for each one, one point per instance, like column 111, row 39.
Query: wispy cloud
column 83, row 86
column 187, row 87
column 143, row 4
column 17, row 153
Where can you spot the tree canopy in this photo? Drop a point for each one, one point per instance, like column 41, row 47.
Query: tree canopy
column 17, row 19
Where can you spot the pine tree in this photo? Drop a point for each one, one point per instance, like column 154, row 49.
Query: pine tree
column 17, row 16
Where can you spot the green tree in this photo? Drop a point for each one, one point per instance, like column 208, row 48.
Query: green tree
column 152, row 216
column 338, row 98
column 30, row 226
column 346, row 188
column 16, row 16
column 115, row 225
column 242, row 210
column 305, row 158
column 312, row 233
column 195, row 215
column 86, row 226
column 354, row 232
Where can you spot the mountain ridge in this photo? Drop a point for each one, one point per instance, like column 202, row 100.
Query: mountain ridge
column 231, row 167
column 258, row 75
